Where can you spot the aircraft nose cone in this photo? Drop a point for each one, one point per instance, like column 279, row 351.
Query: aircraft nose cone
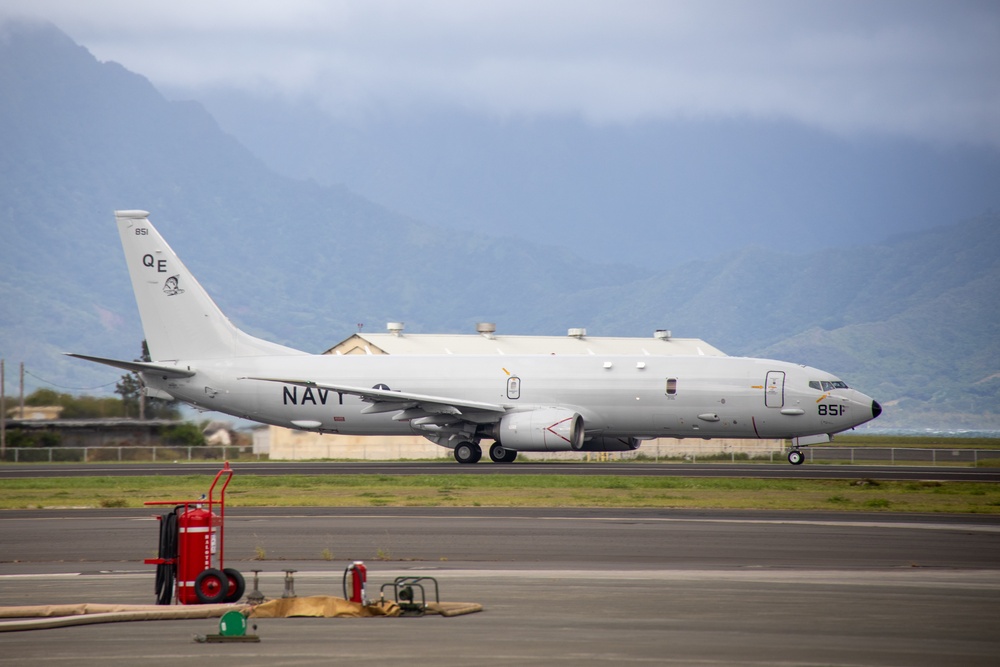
column 876, row 409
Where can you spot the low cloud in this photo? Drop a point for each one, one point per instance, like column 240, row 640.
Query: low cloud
column 922, row 69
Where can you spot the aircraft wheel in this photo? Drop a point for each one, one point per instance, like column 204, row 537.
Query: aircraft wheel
column 796, row 457
column 211, row 586
column 501, row 454
column 237, row 585
column 468, row 452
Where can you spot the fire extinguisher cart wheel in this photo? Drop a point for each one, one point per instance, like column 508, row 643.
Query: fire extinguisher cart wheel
column 211, row 586
column 237, row 584
column 193, row 534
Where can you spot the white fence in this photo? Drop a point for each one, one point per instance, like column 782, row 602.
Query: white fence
column 814, row 454
column 134, row 454
column 900, row 455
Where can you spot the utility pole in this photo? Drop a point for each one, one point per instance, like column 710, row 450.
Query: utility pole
column 3, row 416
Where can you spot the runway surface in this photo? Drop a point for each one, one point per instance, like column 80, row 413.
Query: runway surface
column 580, row 587
column 758, row 471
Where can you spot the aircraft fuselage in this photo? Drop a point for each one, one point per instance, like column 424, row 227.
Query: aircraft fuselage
column 522, row 403
column 644, row 397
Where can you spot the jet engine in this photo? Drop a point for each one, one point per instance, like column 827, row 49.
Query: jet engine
column 543, row 430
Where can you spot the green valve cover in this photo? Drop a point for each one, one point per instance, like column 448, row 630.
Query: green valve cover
column 232, row 624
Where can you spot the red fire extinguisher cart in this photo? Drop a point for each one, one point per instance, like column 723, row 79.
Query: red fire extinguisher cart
column 190, row 537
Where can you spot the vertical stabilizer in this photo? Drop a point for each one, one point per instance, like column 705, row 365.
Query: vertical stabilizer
column 179, row 319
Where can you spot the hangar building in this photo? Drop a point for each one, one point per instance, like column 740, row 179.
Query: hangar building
column 289, row 444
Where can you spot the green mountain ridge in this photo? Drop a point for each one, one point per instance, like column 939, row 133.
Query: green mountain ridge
column 912, row 322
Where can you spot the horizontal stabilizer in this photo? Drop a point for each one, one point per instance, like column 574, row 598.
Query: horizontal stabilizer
column 138, row 366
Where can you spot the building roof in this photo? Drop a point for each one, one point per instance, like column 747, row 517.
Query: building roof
column 35, row 412
column 487, row 342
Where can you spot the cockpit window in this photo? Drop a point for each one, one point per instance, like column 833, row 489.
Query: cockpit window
column 827, row 385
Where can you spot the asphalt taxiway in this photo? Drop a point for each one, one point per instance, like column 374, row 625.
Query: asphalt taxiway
column 745, row 470
column 573, row 586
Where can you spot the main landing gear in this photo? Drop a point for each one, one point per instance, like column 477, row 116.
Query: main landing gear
column 796, row 457
column 471, row 452
column 468, row 452
column 501, row 454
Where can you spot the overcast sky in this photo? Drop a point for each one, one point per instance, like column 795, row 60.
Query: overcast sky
column 929, row 70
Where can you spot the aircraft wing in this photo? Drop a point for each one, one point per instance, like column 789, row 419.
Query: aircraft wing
column 138, row 366
column 386, row 400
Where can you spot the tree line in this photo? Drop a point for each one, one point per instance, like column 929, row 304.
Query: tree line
column 130, row 404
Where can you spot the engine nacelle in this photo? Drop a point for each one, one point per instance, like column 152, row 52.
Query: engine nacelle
column 606, row 444
column 543, row 430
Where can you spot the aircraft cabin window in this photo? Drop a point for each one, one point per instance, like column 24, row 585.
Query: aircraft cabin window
column 671, row 386
column 814, row 384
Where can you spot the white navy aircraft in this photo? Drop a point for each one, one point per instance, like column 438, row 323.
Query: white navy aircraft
column 520, row 403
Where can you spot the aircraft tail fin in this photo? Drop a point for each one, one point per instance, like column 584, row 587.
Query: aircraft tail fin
column 179, row 318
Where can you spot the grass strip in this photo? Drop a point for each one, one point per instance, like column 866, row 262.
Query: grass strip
column 914, row 442
column 510, row 491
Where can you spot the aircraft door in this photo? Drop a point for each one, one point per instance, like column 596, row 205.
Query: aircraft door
column 774, row 389
column 513, row 388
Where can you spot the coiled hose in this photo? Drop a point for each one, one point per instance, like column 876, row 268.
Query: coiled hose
column 167, row 572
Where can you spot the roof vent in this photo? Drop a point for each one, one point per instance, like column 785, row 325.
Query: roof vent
column 662, row 334
column 576, row 333
column 486, row 329
column 395, row 328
